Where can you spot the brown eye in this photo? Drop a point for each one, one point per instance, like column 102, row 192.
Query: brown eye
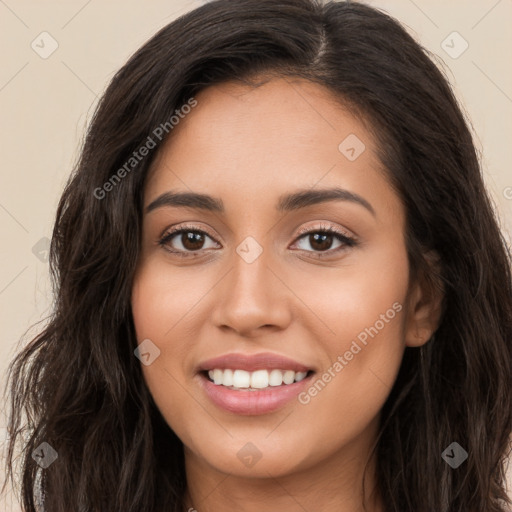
column 192, row 241
column 321, row 241
column 186, row 240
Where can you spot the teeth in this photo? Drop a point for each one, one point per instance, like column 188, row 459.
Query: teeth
column 227, row 378
column 217, row 376
column 275, row 378
column 288, row 377
column 241, row 379
column 259, row 379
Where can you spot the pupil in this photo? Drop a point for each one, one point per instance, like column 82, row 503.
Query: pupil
column 322, row 238
column 192, row 241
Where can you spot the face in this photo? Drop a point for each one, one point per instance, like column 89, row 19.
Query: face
column 297, row 263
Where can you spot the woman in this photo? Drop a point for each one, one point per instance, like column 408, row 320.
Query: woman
column 279, row 282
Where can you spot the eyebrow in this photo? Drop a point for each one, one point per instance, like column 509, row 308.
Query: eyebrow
column 288, row 202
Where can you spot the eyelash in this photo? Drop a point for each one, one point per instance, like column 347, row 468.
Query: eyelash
column 346, row 240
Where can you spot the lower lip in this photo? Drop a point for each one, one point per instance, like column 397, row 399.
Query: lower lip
column 252, row 402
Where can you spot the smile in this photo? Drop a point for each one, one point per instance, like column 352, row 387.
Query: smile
column 253, row 384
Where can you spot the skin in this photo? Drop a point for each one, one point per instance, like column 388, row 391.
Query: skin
column 248, row 146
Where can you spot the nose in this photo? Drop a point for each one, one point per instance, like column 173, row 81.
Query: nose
column 252, row 298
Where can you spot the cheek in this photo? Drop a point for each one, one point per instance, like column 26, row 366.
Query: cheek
column 157, row 309
column 362, row 334
column 362, row 300
column 162, row 298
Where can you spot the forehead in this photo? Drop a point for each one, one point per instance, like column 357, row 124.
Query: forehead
column 280, row 114
column 255, row 141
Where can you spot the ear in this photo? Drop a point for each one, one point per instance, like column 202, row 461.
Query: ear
column 424, row 303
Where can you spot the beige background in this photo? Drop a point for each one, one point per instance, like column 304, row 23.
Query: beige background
column 45, row 104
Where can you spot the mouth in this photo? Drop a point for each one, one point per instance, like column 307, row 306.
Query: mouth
column 254, row 393
column 253, row 384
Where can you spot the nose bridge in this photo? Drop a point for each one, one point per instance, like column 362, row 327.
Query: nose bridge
column 250, row 267
column 252, row 296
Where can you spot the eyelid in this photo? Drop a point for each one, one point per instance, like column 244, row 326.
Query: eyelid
column 326, row 226
column 346, row 240
column 185, row 226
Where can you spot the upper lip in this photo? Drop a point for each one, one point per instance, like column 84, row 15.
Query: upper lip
column 262, row 361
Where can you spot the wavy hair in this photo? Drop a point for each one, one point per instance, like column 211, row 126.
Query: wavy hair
column 77, row 385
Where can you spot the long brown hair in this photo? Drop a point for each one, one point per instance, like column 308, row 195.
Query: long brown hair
column 78, row 384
